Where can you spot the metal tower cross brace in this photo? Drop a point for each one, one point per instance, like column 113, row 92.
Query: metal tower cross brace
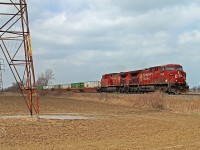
column 1, row 74
column 15, row 44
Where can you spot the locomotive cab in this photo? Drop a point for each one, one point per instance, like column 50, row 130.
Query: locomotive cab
column 176, row 78
column 175, row 74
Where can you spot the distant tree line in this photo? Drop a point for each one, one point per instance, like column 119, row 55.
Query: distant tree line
column 14, row 88
column 43, row 80
column 196, row 89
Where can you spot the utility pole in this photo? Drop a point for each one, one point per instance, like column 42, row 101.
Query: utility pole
column 15, row 43
column 1, row 74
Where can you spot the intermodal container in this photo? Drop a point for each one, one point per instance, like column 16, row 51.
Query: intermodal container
column 66, row 86
column 45, row 87
column 77, row 85
column 57, row 86
column 39, row 87
column 92, row 84
column 49, row 87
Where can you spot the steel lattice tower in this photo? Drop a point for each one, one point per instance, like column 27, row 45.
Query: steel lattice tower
column 15, row 44
column 1, row 74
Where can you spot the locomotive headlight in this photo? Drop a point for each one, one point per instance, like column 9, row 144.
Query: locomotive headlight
column 166, row 80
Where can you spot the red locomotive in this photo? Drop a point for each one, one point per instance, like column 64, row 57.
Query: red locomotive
column 168, row 78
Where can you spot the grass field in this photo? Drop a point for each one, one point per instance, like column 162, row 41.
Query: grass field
column 118, row 122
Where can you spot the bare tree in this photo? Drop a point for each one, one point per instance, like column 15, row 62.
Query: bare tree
column 199, row 88
column 45, row 78
column 194, row 89
column 13, row 88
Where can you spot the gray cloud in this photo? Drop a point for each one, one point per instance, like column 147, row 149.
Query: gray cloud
column 145, row 6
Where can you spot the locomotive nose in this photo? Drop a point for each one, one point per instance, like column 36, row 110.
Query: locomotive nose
column 180, row 77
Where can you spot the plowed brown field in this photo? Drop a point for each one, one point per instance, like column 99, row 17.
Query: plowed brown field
column 112, row 127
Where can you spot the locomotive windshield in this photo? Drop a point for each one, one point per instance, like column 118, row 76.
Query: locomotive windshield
column 179, row 68
column 170, row 68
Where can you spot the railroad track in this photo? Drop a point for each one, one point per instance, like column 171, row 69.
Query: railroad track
column 185, row 95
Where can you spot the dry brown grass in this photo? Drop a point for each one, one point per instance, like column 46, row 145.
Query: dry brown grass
column 155, row 101
column 184, row 104
column 114, row 127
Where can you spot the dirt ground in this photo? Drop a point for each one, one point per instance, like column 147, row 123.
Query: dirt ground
column 109, row 127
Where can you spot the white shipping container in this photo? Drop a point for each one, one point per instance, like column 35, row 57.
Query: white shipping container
column 57, row 86
column 66, row 86
column 50, row 87
column 45, row 87
column 92, row 84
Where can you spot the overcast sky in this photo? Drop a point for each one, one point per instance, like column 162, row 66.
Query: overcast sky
column 82, row 39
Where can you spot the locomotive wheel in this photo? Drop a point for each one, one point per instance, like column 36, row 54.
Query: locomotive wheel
column 118, row 90
column 126, row 89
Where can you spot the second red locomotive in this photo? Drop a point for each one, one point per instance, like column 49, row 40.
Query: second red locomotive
column 168, row 78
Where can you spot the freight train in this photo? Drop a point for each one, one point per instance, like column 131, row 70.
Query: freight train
column 169, row 78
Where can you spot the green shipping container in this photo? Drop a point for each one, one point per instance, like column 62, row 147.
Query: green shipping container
column 77, row 85
column 39, row 87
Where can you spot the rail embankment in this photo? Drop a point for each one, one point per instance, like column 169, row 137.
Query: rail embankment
column 152, row 101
